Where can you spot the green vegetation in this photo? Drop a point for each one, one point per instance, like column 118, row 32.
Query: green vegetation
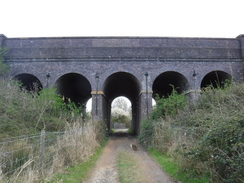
column 206, row 138
column 79, row 173
column 128, row 168
column 165, row 107
column 24, row 112
column 121, row 113
column 170, row 166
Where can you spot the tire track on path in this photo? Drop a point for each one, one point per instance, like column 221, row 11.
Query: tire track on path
column 106, row 170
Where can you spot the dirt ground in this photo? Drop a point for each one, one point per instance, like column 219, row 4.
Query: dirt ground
column 106, row 171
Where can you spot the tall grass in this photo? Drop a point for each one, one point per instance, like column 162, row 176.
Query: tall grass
column 27, row 161
column 206, row 138
column 25, row 114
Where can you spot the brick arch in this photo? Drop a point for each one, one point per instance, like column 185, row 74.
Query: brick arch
column 29, row 82
column 121, row 84
column 74, row 87
column 215, row 79
column 164, row 83
column 127, row 85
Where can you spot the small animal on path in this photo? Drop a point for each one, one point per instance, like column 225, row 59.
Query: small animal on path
column 134, row 147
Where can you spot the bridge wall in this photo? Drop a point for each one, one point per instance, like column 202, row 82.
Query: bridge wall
column 193, row 58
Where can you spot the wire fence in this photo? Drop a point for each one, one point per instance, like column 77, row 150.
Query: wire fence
column 35, row 156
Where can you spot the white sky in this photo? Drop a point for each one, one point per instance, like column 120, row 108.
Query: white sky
column 165, row 18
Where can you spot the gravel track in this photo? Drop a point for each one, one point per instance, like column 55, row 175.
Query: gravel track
column 106, row 171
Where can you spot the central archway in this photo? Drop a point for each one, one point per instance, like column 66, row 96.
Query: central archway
column 127, row 85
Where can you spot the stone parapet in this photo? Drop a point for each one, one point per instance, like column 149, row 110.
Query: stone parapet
column 241, row 38
column 2, row 37
column 123, row 47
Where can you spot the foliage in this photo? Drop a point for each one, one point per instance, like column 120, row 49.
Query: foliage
column 121, row 112
column 3, row 66
column 121, row 103
column 170, row 166
column 79, row 173
column 222, row 148
column 24, row 112
column 120, row 116
column 146, row 133
column 206, row 137
column 168, row 106
column 165, row 107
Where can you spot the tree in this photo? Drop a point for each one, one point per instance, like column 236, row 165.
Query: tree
column 121, row 111
column 121, row 103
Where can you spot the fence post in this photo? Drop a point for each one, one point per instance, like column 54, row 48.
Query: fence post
column 42, row 149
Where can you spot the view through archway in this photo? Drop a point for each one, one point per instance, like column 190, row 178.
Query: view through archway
column 121, row 115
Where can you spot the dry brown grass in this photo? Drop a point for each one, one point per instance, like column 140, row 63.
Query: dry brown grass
column 78, row 142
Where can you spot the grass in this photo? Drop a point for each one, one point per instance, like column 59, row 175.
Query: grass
column 80, row 172
column 128, row 168
column 173, row 169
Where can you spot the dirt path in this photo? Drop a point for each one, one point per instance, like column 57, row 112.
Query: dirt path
column 106, row 168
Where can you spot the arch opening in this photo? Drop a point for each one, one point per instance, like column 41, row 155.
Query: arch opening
column 153, row 102
column 126, row 85
column 164, row 84
column 29, row 82
column 121, row 114
column 75, row 88
column 215, row 79
column 89, row 105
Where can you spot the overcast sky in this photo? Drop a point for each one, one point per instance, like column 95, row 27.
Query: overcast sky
column 164, row 18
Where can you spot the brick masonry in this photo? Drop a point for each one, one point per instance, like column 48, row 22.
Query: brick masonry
column 192, row 58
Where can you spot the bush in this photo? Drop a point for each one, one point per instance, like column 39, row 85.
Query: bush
column 168, row 106
column 121, row 116
column 165, row 107
column 207, row 137
column 222, row 149
column 24, row 112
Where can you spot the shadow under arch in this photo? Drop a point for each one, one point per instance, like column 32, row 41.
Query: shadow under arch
column 74, row 87
column 29, row 82
column 164, row 84
column 127, row 85
column 215, row 79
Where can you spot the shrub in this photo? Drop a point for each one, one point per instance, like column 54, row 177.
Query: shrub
column 206, row 137
column 165, row 107
column 168, row 106
column 23, row 112
column 121, row 116
column 222, row 149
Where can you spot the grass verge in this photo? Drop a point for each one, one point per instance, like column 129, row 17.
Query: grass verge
column 173, row 169
column 128, row 169
column 79, row 173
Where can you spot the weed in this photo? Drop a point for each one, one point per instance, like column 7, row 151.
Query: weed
column 206, row 137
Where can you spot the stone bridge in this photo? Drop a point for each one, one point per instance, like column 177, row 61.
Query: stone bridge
column 139, row 68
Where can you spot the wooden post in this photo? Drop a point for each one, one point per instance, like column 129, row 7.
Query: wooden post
column 42, row 149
